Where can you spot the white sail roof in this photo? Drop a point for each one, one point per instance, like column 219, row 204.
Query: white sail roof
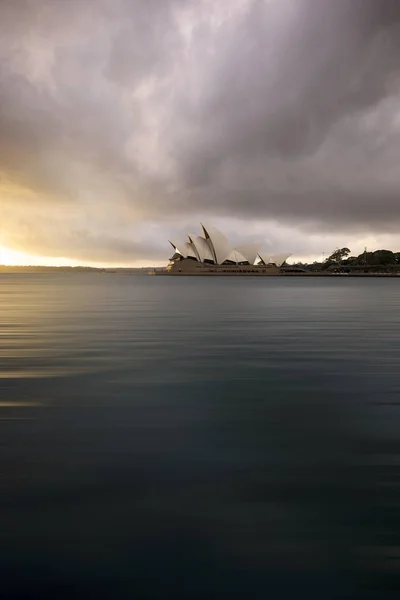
column 279, row 259
column 221, row 247
column 276, row 259
column 264, row 258
column 191, row 239
column 215, row 247
column 176, row 245
column 250, row 251
column 202, row 247
column 184, row 248
column 236, row 257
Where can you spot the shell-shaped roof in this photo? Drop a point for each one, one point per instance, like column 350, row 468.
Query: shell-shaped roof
column 279, row 259
column 202, row 247
column 236, row 257
column 221, row 247
column 184, row 248
column 276, row 259
column 215, row 247
column 250, row 251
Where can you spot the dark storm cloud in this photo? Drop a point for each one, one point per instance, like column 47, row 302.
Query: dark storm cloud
column 119, row 114
column 278, row 90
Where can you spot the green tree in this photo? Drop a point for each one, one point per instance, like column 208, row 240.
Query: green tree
column 377, row 258
column 338, row 255
column 385, row 257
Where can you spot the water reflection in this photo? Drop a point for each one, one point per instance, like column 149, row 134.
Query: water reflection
column 199, row 438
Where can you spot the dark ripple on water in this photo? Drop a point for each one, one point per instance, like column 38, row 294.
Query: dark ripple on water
column 199, row 438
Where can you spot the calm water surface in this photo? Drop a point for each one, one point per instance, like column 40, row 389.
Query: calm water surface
column 199, row 438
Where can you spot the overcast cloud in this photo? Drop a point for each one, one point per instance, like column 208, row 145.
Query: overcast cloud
column 126, row 122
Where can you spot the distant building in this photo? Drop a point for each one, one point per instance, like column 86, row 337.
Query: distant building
column 213, row 254
column 214, row 248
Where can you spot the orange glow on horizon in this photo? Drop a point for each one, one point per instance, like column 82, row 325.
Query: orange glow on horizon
column 17, row 258
column 10, row 257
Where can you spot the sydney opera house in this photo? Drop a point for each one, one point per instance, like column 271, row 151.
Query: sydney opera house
column 212, row 254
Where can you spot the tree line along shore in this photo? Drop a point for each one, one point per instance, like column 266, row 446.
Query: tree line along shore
column 340, row 261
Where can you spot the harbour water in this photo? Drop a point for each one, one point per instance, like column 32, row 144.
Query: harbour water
column 199, row 437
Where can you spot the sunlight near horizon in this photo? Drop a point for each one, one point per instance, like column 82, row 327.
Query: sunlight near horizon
column 17, row 258
column 10, row 257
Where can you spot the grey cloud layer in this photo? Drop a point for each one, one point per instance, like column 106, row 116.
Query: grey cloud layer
column 119, row 113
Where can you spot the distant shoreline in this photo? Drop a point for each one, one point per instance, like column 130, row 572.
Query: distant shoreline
column 145, row 271
column 41, row 269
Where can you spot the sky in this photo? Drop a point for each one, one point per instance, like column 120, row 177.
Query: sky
column 125, row 123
